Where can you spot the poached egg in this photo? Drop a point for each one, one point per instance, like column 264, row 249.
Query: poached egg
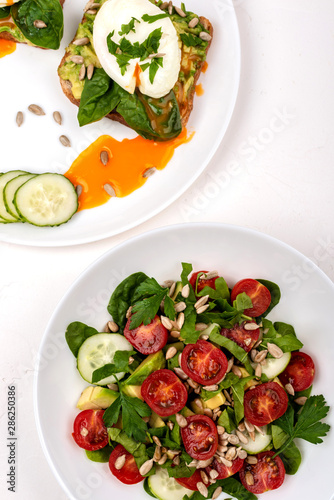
column 110, row 18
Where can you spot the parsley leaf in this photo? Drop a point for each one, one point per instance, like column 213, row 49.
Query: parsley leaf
column 151, row 19
column 191, row 40
column 126, row 28
column 120, row 364
column 154, row 66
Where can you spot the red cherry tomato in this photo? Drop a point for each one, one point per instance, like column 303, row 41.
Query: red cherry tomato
column 129, row 473
column 258, row 293
column 164, row 392
column 265, row 403
column 202, row 282
column 89, row 431
column 299, row 372
column 147, row 339
column 244, row 338
column 267, row 474
column 190, row 482
column 224, row 471
column 200, row 437
column 203, row 362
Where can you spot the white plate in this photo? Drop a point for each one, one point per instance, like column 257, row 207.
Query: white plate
column 307, row 303
column 29, row 76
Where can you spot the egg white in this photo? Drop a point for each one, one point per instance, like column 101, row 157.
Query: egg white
column 110, row 17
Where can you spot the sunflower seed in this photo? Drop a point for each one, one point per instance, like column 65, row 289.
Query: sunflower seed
column 157, row 54
column 251, row 326
column 274, row 350
column 301, row 400
column 185, row 291
column 257, row 344
column 236, row 370
column 19, row 118
column 198, row 390
column 247, row 341
column 220, row 429
column 193, row 463
column 204, row 337
column 230, row 365
column 202, row 489
column 95, row 5
column 157, row 441
column 201, row 301
column 209, row 275
column 258, row 429
column 208, row 412
column 242, row 453
column 180, row 12
column 193, row 23
column 181, row 420
column 128, row 312
column 82, row 73
column 109, row 190
column 78, row 190
column 192, row 383
column 222, row 448
column 166, row 322
column 77, row 59
column 175, row 334
column 146, row 467
column 260, row 356
column 242, row 437
column 180, row 321
column 253, row 354
column 65, row 141
column 231, row 453
column 148, row 172
column 180, row 306
column 176, row 460
column 164, row 5
column 113, row 387
column 91, row 12
column 170, row 8
column 104, row 157
column 179, row 358
column 37, row 110
column 172, row 289
column 180, row 372
column 90, row 71
column 258, row 371
column 84, row 432
column 202, row 309
column 81, row 41
column 39, row 24
column 252, row 435
column 199, row 327
column 211, row 388
column 205, row 36
column 289, row 389
column 251, row 459
column 250, row 427
column 57, row 117
column 233, row 439
column 198, row 403
column 131, row 360
column 171, row 351
column 113, row 327
column 157, row 454
column 214, row 474
column 249, row 478
column 170, row 425
column 217, row 492
column 241, row 427
column 226, row 462
column 88, row 5
column 163, row 459
column 120, row 462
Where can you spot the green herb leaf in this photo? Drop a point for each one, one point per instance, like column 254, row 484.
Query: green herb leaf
column 227, row 420
column 120, row 364
column 242, row 302
column 138, row 450
column 191, row 40
column 145, row 310
column 126, row 28
column 291, row 458
column 154, row 66
column 238, row 391
column 101, row 456
column 4, row 12
column 169, row 308
column 111, row 414
column 151, row 19
column 76, row 333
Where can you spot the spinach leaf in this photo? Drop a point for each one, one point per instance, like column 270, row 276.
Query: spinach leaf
column 99, row 97
column 284, row 337
column 26, row 12
column 238, row 391
column 284, row 328
column 275, row 293
column 120, row 364
column 237, row 351
column 101, row 456
column 122, row 297
column 221, row 292
column 291, row 458
column 227, row 420
column 76, row 333
column 4, row 12
column 138, row 450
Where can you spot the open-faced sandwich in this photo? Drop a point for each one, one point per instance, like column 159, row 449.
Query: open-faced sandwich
column 34, row 22
column 136, row 62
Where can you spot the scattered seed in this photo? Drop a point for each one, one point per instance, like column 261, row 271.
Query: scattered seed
column 120, row 462
column 90, row 71
column 19, row 118
column 249, row 478
column 248, row 341
column 209, row 275
column 214, row 474
column 226, row 462
column 171, row 351
column 233, row 439
column 208, row 412
column 185, row 291
column 91, row 12
column 258, row 429
column 204, row 477
column 180, row 12
column 289, row 389
column 274, row 350
column 205, row 36
column 39, row 24
column 113, row 327
column 250, row 427
column 204, row 337
column 104, row 157
column 82, row 73
column 113, row 387
column 128, row 312
column 65, row 141
column 170, row 425
column 57, row 117
column 88, row 5
column 231, row 453
column 193, row 463
column 217, row 492
column 180, row 321
column 131, row 360
column 157, row 441
column 198, row 389
column 199, row 327
column 179, row 358
column 163, row 459
column 241, row 427
column 202, row 309
column 236, row 370
column 84, row 432
column 81, row 41
column 95, row 5
column 157, row 54
column 253, row 354
column 176, row 460
column 301, row 400
column 77, row 59
column 251, row 326
column 202, row 489
column 109, row 190
column 198, row 403
column 252, row 435
column 146, row 467
column 172, row 289
column 170, row 8
column 222, row 448
column 181, row 420
column 201, row 301
column 230, row 364
column 211, row 388
column 242, row 437
column 180, row 372
column 37, row 110
column 175, row 334
column 257, row 344
column 258, row 371
column 157, row 454
column 251, row 459
column 220, row 429
column 192, row 383
column 166, row 322
column 193, row 23
column 180, row 306
column 242, row 453
column 164, row 5
column 148, row 172
column 78, row 190
column 260, row 356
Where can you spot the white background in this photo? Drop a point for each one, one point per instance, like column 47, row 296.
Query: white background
column 271, row 174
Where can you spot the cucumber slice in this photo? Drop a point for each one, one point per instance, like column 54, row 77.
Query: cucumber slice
column 261, row 442
column 274, row 366
column 99, row 350
column 9, row 192
column 46, row 200
column 4, row 178
column 165, row 487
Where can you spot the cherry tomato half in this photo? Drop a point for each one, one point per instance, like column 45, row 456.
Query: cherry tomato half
column 147, row 339
column 200, row 437
column 164, row 392
column 203, row 362
column 244, row 338
column 89, row 431
column 267, row 474
column 265, row 403
column 224, row 471
column 299, row 372
column 129, row 473
column 202, row 282
column 258, row 293
column 190, row 482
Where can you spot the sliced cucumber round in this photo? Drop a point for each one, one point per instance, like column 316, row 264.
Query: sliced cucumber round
column 46, row 200
column 9, row 192
column 4, row 178
column 261, row 441
column 99, row 350
column 275, row 366
column 165, row 487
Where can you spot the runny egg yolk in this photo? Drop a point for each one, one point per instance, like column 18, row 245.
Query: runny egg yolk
column 199, row 89
column 6, row 47
column 127, row 162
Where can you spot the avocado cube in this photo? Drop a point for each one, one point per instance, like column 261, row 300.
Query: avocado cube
column 96, row 398
column 134, row 391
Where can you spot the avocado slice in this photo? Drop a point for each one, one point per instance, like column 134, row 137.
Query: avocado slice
column 178, row 288
column 134, row 391
column 156, row 421
column 96, row 398
column 212, row 403
column 152, row 363
column 186, row 412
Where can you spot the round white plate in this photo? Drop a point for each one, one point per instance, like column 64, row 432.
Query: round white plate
column 307, row 303
column 35, row 146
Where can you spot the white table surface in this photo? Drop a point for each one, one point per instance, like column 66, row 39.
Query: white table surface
column 273, row 172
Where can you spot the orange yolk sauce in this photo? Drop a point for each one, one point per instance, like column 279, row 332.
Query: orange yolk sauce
column 127, row 162
column 204, row 67
column 199, row 89
column 6, row 47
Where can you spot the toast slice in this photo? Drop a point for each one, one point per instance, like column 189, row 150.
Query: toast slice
column 192, row 60
column 13, row 32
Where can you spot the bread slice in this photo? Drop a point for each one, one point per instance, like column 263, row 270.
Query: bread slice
column 8, row 36
column 184, row 99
